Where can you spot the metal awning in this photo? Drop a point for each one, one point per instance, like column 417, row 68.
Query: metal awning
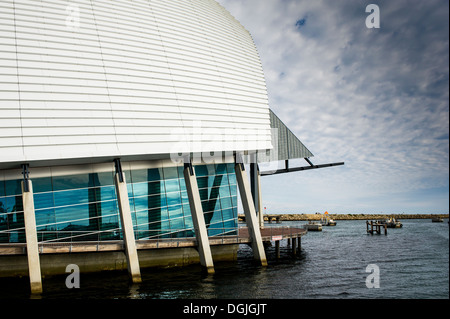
column 289, row 147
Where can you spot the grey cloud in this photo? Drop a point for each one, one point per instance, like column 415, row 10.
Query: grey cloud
column 375, row 98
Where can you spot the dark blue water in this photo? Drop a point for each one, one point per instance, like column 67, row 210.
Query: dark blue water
column 413, row 263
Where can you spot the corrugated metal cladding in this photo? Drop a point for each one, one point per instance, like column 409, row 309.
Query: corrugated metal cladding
column 288, row 145
column 102, row 78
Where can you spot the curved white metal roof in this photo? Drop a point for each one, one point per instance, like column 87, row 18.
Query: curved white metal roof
column 118, row 78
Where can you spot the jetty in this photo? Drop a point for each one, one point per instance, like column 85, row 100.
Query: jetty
column 372, row 227
column 159, row 252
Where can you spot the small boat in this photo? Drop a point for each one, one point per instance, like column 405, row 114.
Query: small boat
column 391, row 223
column 327, row 221
column 437, row 220
column 313, row 226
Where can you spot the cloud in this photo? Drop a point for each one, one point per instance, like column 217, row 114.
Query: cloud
column 375, row 98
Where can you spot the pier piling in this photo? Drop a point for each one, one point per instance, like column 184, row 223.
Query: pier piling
column 375, row 227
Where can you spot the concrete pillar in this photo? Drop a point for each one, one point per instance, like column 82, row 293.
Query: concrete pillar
column 198, row 219
column 294, row 250
column 127, row 228
column 250, row 214
column 34, row 266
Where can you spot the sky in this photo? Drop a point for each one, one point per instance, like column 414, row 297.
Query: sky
column 374, row 98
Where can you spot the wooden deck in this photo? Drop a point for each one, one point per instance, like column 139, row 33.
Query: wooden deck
column 268, row 234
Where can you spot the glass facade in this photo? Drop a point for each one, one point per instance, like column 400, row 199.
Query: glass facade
column 84, row 207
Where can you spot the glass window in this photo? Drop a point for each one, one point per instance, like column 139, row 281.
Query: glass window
column 108, row 208
column 202, row 182
column 73, row 182
column 44, row 200
column 2, row 189
column 156, row 201
column 221, row 169
column 3, row 208
column 155, row 187
column 226, row 202
column 230, row 168
column 175, row 211
column 154, row 215
column 154, row 174
column 71, row 214
column 201, row 171
column 14, row 204
column 138, row 176
column 165, row 228
column 77, row 205
column 225, row 191
column 73, row 197
column 187, row 210
column 141, row 203
column 232, row 179
column 105, row 179
column 170, row 173
column 176, row 224
column 13, row 187
column 173, row 198
column 41, row 185
column 108, row 193
column 45, row 216
column 172, row 185
column 140, row 189
column 234, row 200
column 142, row 219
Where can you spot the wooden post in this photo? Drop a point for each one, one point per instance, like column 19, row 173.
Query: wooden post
column 294, row 250
column 299, row 243
column 277, row 249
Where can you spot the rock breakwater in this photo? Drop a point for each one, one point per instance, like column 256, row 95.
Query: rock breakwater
column 306, row 217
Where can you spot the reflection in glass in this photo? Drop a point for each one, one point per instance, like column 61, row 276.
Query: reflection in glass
column 84, row 206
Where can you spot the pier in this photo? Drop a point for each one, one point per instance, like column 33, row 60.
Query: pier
column 162, row 252
column 372, row 227
column 268, row 234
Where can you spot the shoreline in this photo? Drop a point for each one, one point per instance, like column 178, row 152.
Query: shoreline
column 307, row 217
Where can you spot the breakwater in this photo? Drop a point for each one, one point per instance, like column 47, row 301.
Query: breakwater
column 306, row 217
